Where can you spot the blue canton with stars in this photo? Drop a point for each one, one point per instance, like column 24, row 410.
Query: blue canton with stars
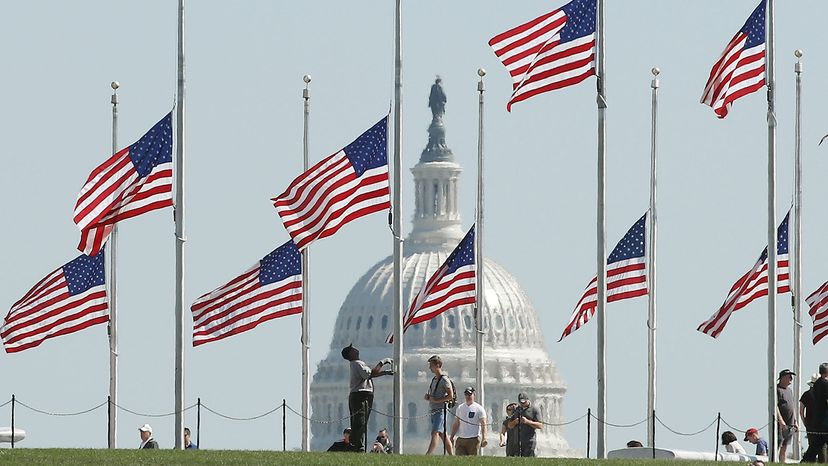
column 370, row 150
column 580, row 19
column 463, row 254
column 781, row 240
column 283, row 262
column 154, row 148
column 84, row 272
column 632, row 244
column 754, row 27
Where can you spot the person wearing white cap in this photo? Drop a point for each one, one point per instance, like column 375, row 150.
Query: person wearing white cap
column 145, row 431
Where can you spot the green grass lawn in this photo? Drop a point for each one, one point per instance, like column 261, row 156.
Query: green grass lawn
column 22, row 456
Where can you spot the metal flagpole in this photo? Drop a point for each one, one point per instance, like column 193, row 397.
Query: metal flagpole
column 179, row 239
column 796, row 285
column 652, row 218
column 113, row 297
column 770, row 78
column 601, row 235
column 396, row 203
column 480, row 297
column 305, row 292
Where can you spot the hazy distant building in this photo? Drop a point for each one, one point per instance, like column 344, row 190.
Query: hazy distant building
column 515, row 356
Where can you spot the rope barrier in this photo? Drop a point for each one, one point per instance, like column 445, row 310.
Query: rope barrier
column 405, row 418
column 153, row 415
column 232, row 418
column 40, row 411
column 564, row 423
column 8, row 402
column 684, row 434
column 739, row 430
column 320, row 421
column 620, row 425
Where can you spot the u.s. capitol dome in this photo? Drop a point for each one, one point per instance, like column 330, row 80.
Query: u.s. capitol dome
column 515, row 357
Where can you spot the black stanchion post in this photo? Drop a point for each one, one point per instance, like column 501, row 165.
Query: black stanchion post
column 589, row 425
column 108, row 421
column 445, row 418
column 284, row 429
column 654, row 433
column 198, row 423
column 12, row 422
column 718, row 426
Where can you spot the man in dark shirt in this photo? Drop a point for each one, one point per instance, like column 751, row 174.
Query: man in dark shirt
column 344, row 444
column 806, row 412
column 818, row 440
column 785, row 412
column 526, row 420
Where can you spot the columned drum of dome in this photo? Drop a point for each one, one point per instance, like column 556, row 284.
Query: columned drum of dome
column 516, row 358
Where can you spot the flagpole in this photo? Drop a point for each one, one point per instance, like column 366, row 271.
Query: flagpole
column 305, row 291
column 396, row 203
column 796, row 286
column 179, row 239
column 113, row 297
column 480, row 297
column 652, row 218
column 601, row 234
column 770, row 78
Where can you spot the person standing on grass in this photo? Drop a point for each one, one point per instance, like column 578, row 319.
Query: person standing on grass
column 147, row 442
column 361, row 396
column 508, row 437
column 785, row 412
column 470, row 421
column 188, row 441
column 818, row 439
column 440, row 392
column 527, row 421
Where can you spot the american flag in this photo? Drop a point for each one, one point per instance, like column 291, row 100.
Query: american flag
column 550, row 52
column 741, row 68
column 270, row 289
column 452, row 285
column 134, row 181
column 753, row 284
column 626, row 276
column 341, row 188
column 818, row 303
column 69, row 299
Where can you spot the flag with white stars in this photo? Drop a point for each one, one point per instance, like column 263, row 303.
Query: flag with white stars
column 753, row 284
column 818, row 310
column 69, row 299
column 343, row 187
column 134, row 181
column 741, row 68
column 270, row 289
column 451, row 286
column 550, row 52
column 626, row 276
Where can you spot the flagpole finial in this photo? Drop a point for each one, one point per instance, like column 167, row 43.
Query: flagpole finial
column 115, row 85
column 656, row 71
column 307, row 79
column 798, row 53
column 481, row 72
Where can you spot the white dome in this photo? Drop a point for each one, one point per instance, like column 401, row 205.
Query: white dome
column 514, row 353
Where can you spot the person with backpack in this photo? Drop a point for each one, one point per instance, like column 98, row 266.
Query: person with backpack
column 440, row 396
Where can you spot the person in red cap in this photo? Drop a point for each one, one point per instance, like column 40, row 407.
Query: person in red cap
column 752, row 436
column 785, row 412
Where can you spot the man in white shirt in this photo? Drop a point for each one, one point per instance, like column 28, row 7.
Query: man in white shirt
column 470, row 420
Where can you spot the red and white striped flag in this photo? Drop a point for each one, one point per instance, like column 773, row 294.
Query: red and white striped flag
column 550, row 52
column 134, row 181
column 741, row 68
column 341, row 188
column 69, row 299
column 753, row 284
column 818, row 303
column 270, row 289
column 451, row 286
column 626, row 276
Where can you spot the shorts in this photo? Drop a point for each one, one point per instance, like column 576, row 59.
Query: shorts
column 785, row 435
column 438, row 421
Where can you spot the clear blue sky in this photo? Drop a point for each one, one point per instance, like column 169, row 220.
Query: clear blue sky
column 245, row 62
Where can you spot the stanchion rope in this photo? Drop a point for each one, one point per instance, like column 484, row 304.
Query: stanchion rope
column 40, row 411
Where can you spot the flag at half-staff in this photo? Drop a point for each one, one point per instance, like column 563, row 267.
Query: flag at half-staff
column 550, row 52
column 753, row 284
column 818, row 310
column 134, row 181
column 270, row 289
column 451, row 286
column 741, row 68
column 626, row 276
column 341, row 188
column 69, row 299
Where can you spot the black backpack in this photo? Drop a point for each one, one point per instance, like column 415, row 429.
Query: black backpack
column 452, row 402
